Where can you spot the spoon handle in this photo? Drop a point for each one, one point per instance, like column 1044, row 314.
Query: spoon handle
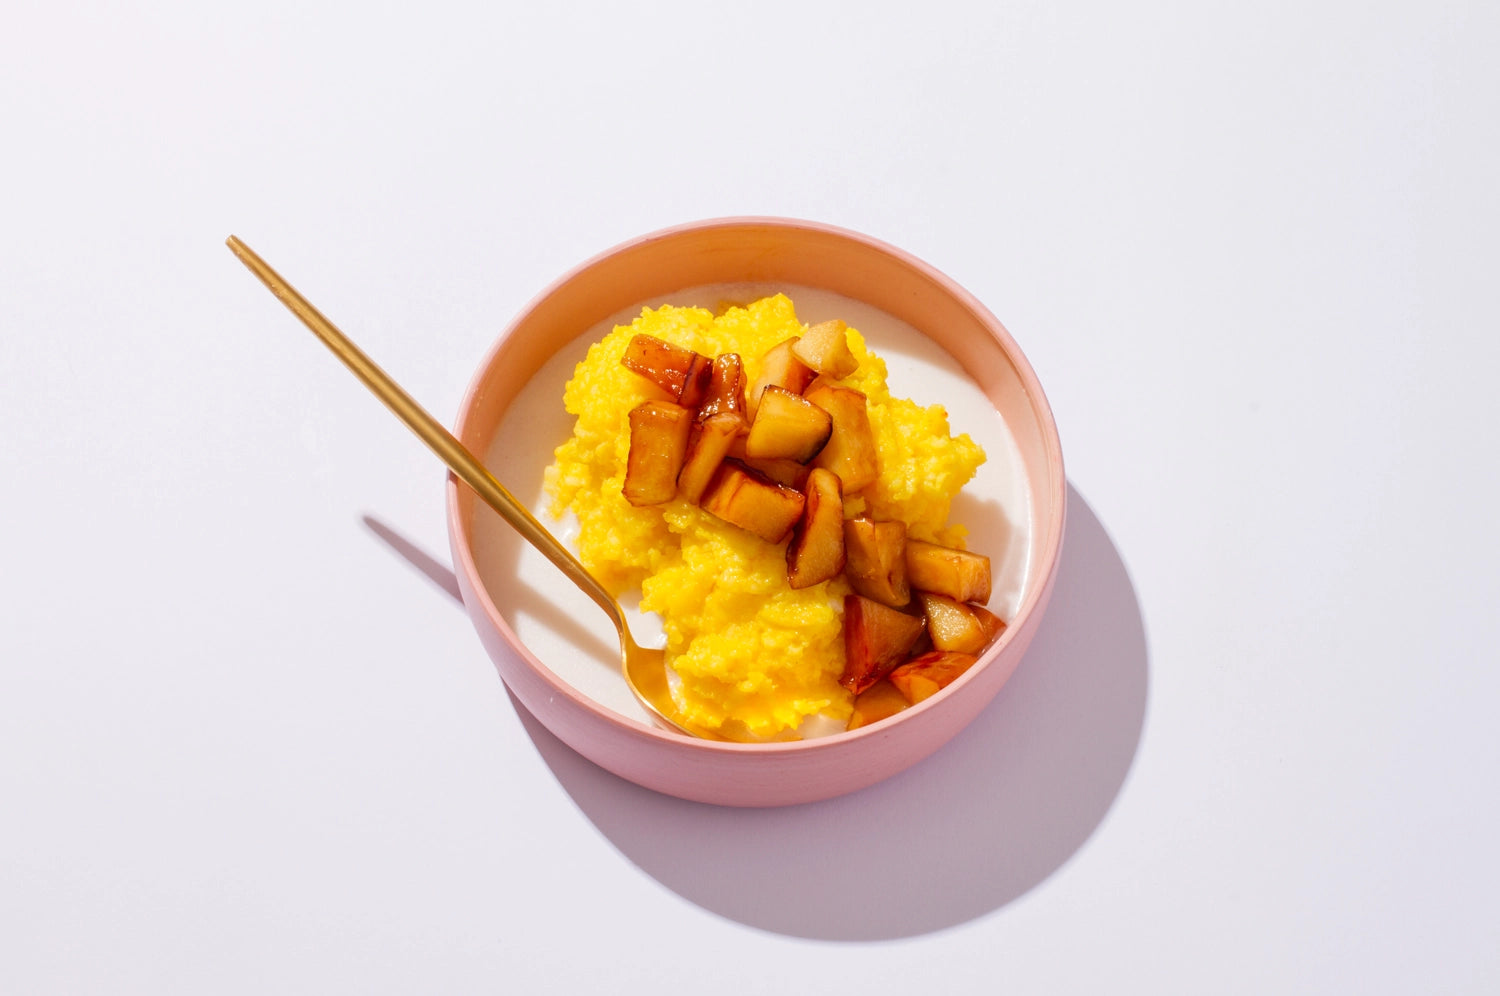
column 430, row 431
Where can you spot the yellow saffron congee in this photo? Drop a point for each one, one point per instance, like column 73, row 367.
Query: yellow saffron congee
column 751, row 652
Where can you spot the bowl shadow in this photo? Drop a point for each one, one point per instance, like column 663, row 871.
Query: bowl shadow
column 960, row 835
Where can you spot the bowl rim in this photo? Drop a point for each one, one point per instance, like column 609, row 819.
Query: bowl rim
column 1053, row 526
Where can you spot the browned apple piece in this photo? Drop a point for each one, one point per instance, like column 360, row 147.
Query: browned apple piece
column 681, row 373
column 916, row 687
column 696, row 382
column 726, row 387
column 962, row 576
column 708, row 444
column 825, row 348
column 922, row 646
column 822, row 382
column 957, row 626
column 787, row 427
column 658, row 444
column 779, row 368
column 745, row 498
column 993, row 624
column 876, row 639
column 876, row 565
column 850, row 451
column 923, row 676
column 787, row 472
column 816, row 552
column 881, row 700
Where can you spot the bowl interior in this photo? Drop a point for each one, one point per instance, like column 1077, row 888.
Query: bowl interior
column 940, row 347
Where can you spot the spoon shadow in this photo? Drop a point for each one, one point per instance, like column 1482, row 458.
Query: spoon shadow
column 426, row 564
column 521, row 597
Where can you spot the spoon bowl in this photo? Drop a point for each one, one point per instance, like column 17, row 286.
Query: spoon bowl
column 644, row 667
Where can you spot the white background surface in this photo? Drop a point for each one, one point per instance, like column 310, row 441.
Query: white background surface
column 247, row 746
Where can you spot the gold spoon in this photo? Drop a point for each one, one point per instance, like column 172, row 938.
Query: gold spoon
column 644, row 668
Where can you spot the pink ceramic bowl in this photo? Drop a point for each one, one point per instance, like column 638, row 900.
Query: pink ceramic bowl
column 539, row 640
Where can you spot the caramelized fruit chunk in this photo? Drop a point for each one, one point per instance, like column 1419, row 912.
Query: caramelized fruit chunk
column 957, row 626
column 658, row 444
column 881, row 700
column 825, row 348
column 922, row 646
column 876, row 639
column 787, row 472
column 962, row 576
column 850, row 451
column 787, row 427
column 695, row 384
column 876, row 565
column 680, row 372
column 726, row 387
column 710, row 441
column 923, row 676
column 816, row 552
column 745, row 498
column 782, row 471
column 779, row 368
column 992, row 624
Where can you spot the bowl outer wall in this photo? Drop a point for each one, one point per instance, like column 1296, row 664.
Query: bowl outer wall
column 771, row 251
